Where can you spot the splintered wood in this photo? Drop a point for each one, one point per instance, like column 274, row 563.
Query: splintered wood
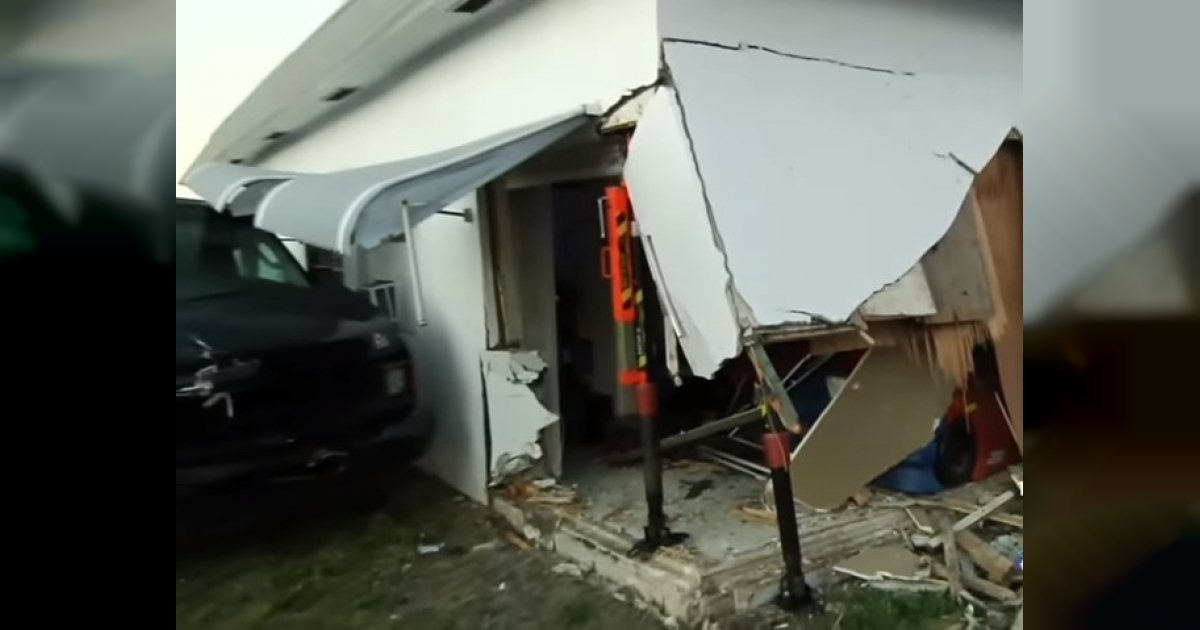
column 986, row 234
column 999, row 207
column 969, row 559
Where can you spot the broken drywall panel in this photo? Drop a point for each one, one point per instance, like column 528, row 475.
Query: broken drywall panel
column 516, row 416
column 810, row 168
column 668, row 201
column 910, row 296
column 885, row 410
column 892, row 561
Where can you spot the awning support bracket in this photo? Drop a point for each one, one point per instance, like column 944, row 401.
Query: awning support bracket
column 465, row 215
column 413, row 271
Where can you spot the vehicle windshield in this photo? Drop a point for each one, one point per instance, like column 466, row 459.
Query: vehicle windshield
column 216, row 254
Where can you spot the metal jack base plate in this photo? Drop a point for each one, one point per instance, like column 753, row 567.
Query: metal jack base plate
column 797, row 596
column 646, row 547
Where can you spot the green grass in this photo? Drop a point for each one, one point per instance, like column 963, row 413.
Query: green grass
column 873, row 609
column 576, row 614
column 345, row 580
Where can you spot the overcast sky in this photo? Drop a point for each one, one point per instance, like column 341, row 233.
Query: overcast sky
column 223, row 48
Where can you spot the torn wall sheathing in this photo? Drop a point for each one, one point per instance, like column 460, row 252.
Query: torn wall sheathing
column 832, row 144
column 517, row 416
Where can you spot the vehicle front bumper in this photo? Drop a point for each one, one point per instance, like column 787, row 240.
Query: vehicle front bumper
column 386, row 432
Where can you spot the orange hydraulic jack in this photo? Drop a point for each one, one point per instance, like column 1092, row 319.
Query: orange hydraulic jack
column 619, row 266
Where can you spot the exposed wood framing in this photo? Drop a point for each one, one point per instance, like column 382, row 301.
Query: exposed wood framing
column 774, row 391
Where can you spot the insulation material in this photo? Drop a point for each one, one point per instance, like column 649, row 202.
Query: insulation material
column 516, row 416
column 885, row 411
column 999, row 202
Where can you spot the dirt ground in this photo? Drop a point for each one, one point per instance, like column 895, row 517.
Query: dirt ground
column 433, row 561
column 368, row 572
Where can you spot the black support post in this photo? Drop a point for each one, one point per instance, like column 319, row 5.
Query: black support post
column 657, row 534
column 794, row 592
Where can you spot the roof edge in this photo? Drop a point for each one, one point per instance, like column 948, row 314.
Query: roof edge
column 349, row 42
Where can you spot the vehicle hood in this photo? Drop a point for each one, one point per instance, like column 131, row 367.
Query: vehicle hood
column 250, row 321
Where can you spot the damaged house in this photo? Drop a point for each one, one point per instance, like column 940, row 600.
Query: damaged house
column 801, row 214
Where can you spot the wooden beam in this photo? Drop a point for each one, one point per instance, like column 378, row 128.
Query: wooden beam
column 774, row 392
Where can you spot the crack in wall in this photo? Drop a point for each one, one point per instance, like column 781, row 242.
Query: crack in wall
column 666, row 79
column 731, row 291
column 959, row 161
column 775, row 51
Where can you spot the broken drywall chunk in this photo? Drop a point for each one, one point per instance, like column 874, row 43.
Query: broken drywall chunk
column 883, row 562
column 516, row 415
column 880, row 416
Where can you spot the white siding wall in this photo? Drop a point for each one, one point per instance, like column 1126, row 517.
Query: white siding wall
column 556, row 55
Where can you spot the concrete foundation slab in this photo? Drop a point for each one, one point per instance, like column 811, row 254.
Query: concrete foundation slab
column 731, row 561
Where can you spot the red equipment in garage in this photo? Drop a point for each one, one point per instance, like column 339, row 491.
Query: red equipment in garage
column 979, row 441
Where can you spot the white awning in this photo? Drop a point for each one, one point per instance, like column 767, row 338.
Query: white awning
column 233, row 188
column 365, row 206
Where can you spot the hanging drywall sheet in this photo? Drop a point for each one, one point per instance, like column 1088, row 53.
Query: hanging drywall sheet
column 887, row 409
column 668, row 201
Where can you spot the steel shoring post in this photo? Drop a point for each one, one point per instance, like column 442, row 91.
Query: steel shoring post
column 657, row 534
column 794, row 592
column 778, row 411
column 629, row 318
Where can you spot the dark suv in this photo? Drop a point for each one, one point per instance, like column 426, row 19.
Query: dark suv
column 280, row 380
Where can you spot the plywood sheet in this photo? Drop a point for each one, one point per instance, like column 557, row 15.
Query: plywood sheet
column 1000, row 207
column 886, row 410
column 954, row 269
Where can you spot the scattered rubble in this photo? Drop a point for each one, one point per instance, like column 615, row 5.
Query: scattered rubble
column 567, row 568
column 429, row 550
column 963, row 541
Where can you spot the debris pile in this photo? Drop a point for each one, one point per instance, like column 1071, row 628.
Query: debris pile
column 539, row 491
column 966, row 541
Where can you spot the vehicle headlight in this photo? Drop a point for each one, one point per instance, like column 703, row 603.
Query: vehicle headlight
column 395, row 378
column 385, row 341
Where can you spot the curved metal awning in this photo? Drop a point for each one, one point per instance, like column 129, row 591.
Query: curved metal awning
column 363, row 207
column 234, row 188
